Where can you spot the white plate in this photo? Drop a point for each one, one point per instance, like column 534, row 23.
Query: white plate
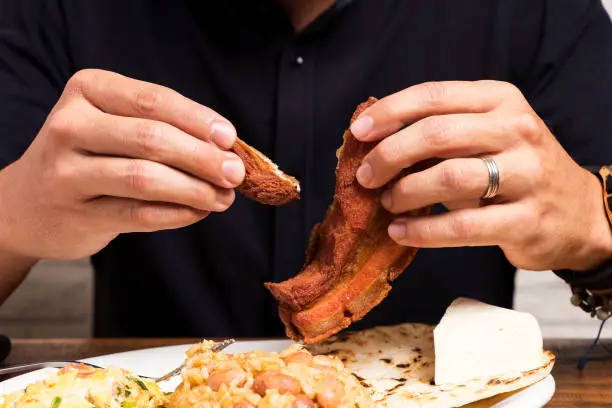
column 158, row 361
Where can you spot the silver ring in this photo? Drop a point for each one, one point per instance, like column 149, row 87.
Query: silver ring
column 493, row 187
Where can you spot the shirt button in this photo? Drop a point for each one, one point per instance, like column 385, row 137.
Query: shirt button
column 299, row 60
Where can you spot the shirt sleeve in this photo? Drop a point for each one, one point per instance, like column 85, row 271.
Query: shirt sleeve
column 34, row 67
column 569, row 83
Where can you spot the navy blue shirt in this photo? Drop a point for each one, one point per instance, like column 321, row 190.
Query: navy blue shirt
column 291, row 95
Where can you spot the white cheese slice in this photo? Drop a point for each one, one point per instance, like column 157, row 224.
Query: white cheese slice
column 476, row 340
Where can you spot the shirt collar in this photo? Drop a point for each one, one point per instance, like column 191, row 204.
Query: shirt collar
column 325, row 19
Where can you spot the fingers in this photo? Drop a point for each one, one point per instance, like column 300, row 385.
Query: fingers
column 464, row 181
column 486, row 226
column 149, row 181
column 450, row 181
column 446, row 136
column 119, row 95
column 163, row 143
column 129, row 215
column 394, row 112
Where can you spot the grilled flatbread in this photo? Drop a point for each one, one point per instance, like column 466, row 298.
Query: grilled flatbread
column 398, row 363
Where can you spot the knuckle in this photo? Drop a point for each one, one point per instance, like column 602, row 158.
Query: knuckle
column 403, row 197
column 401, row 190
column 436, row 131
column 147, row 100
column 81, row 80
column 62, row 126
column 463, row 226
column 147, row 139
column 144, row 216
column 451, row 178
column 387, row 108
column 386, row 154
column 199, row 195
column 528, row 126
column 136, row 178
column 193, row 112
column 434, row 92
column 204, row 156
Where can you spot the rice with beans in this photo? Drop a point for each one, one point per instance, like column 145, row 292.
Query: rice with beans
column 293, row 378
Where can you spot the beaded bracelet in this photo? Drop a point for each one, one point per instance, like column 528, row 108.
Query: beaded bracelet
column 592, row 290
column 596, row 305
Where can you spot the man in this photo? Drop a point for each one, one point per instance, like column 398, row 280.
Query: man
column 116, row 118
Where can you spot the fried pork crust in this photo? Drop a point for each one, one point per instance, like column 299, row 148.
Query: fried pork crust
column 264, row 181
column 351, row 260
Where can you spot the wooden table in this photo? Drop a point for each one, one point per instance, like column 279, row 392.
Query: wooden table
column 589, row 388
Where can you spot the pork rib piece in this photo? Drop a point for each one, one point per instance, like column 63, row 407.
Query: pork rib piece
column 350, row 261
column 264, row 181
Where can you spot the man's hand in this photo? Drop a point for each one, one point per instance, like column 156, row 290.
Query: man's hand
column 115, row 155
column 549, row 213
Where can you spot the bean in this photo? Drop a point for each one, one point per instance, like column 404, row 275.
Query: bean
column 301, row 357
column 303, row 401
column 218, row 378
column 330, row 393
column 276, row 381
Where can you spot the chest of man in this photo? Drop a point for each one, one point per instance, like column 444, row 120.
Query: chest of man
column 291, row 96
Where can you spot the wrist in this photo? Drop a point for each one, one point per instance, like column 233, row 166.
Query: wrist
column 592, row 266
column 14, row 266
column 592, row 285
column 9, row 248
column 13, row 270
column 598, row 245
column 16, row 260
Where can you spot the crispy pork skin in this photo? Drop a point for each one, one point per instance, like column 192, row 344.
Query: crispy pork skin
column 264, row 181
column 350, row 261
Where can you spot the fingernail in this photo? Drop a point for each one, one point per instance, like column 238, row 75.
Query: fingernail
column 397, row 230
column 233, row 171
column 365, row 174
column 362, row 127
column 223, row 134
column 387, row 200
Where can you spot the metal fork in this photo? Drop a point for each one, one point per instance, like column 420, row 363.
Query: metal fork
column 26, row 368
